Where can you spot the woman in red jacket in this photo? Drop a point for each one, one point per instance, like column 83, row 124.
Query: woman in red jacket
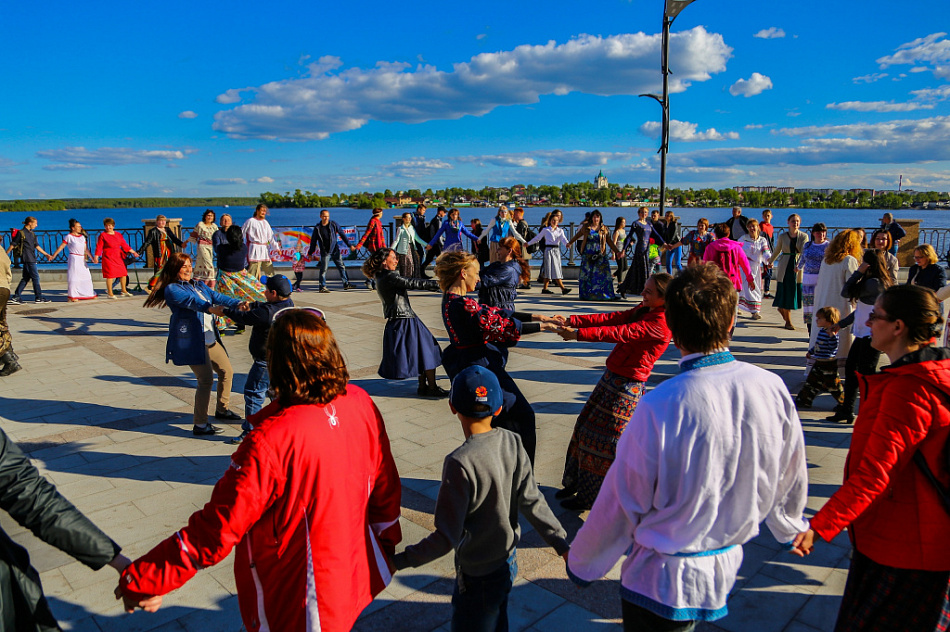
column 900, row 571
column 642, row 336
column 310, row 501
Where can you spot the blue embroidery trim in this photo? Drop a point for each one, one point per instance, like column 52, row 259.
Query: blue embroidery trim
column 668, row 612
column 722, row 357
column 707, row 553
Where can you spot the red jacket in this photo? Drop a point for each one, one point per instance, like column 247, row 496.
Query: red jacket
column 641, row 336
column 311, row 502
column 893, row 513
column 373, row 238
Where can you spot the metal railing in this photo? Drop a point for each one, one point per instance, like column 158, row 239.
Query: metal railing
column 49, row 240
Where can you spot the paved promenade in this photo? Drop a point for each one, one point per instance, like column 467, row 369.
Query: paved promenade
column 109, row 422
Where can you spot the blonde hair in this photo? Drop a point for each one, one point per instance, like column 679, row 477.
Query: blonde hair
column 449, row 266
column 847, row 242
column 926, row 250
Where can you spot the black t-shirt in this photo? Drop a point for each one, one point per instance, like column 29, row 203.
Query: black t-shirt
column 28, row 251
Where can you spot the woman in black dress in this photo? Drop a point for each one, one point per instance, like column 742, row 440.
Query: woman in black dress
column 409, row 349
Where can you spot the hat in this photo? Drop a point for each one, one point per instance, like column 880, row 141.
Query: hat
column 278, row 283
column 473, row 388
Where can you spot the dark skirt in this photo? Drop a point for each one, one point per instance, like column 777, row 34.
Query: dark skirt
column 879, row 598
column 788, row 293
column 409, row 349
column 408, row 263
column 638, row 274
column 593, row 445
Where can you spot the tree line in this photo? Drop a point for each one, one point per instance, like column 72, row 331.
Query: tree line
column 30, row 206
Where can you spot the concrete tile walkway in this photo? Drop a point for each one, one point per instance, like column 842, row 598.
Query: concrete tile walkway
column 109, row 423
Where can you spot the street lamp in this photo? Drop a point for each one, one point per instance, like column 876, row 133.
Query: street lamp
column 671, row 9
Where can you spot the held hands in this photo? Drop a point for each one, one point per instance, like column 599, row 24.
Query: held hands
column 548, row 326
column 216, row 310
column 129, row 604
column 245, row 306
column 567, row 333
column 803, row 543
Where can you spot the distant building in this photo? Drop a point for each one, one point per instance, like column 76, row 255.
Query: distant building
column 600, row 182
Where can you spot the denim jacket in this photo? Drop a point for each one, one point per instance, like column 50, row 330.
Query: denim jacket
column 186, row 338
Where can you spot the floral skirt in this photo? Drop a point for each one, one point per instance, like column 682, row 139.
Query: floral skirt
column 596, row 283
column 809, row 282
column 239, row 285
column 593, row 445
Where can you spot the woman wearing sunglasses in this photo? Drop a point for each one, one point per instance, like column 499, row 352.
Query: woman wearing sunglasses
column 310, row 502
column 897, row 520
column 409, row 349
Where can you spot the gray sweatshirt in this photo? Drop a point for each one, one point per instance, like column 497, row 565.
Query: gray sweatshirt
column 485, row 482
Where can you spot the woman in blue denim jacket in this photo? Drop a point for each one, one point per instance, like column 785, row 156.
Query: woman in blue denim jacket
column 193, row 339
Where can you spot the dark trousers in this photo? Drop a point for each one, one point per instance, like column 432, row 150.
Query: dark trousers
column 767, row 278
column 823, row 378
column 480, row 604
column 861, row 359
column 299, row 280
column 431, row 254
column 30, row 272
column 637, row 619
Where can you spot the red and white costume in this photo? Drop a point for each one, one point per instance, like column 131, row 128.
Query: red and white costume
column 311, row 501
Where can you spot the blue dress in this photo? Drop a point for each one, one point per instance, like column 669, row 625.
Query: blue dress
column 596, row 283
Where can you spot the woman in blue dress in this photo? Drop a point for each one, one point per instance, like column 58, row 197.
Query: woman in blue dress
column 452, row 229
column 643, row 229
column 596, row 283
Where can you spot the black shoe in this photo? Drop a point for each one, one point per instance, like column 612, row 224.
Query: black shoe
column 347, row 286
column 841, row 417
column 238, row 439
column 801, row 404
column 42, row 300
column 14, row 301
column 566, row 290
column 227, row 415
column 567, row 492
column 206, row 431
column 547, row 292
column 10, row 364
column 575, row 504
column 432, row 391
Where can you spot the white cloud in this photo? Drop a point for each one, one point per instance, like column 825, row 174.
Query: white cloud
column 756, row 84
column 66, row 166
column 754, row 126
column 230, row 96
column 414, row 168
column 548, row 158
column 188, row 114
column 110, row 156
column 770, row 33
column 330, row 100
column 931, row 53
column 264, row 180
column 481, row 36
column 932, row 94
column 215, row 182
column 685, row 132
column 877, row 76
column 878, row 106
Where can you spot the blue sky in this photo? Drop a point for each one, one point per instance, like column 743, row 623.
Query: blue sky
column 109, row 99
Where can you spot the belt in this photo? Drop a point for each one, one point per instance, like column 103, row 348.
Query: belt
column 706, row 553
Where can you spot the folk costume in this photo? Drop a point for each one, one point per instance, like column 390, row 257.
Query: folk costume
column 259, row 237
column 78, row 278
column 551, row 239
column 788, row 292
column 409, row 348
column 595, row 281
column 640, row 265
column 758, row 253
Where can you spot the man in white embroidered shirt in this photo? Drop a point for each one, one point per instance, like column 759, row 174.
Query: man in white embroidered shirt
column 707, row 456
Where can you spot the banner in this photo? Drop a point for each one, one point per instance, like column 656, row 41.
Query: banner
column 297, row 239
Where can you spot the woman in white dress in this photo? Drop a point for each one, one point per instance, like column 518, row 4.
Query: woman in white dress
column 78, row 279
column 203, row 234
column 756, row 248
column 842, row 259
column 552, row 238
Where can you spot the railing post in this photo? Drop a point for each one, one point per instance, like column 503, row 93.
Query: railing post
column 570, row 250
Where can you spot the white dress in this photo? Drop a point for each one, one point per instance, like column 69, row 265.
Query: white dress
column 78, row 278
column 690, row 486
column 758, row 253
column 259, row 236
column 831, row 280
column 551, row 261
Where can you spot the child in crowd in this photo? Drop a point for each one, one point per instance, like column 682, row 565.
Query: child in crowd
column 298, row 267
column 823, row 376
column 485, row 482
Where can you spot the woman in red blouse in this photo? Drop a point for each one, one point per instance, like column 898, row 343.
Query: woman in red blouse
column 112, row 248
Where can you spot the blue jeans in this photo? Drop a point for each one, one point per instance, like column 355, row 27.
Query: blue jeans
column 325, row 263
column 30, row 272
column 480, row 604
column 674, row 259
column 255, row 390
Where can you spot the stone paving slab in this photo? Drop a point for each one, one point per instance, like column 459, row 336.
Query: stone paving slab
column 109, row 422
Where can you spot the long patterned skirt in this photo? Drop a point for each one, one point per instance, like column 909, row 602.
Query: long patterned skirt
column 239, row 285
column 809, row 281
column 408, row 263
column 596, row 284
column 879, row 598
column 593, row 445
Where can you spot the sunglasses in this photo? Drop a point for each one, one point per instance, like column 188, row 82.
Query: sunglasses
column 875, row 316
column 313, row 310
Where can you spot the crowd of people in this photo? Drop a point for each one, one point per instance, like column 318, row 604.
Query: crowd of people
column 676, row 478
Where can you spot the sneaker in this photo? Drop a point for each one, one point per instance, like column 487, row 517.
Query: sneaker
column 324, row 290
column 566, row 290
column 206, row 431
column 14, row 301
column 347, row 286
column 227, row 415
column 42, row 300
column 547, row 291
column 298, row 290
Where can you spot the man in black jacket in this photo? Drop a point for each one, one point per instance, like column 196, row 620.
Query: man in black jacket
column 277, row 291
column 738, row 224
column 422, row 230
column 324, row 236
column 434, row 227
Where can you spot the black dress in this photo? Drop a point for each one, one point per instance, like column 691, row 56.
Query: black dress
column 409, row 348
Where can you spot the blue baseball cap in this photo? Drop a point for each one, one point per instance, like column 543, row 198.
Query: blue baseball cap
column 476, row 392
column 278, row 283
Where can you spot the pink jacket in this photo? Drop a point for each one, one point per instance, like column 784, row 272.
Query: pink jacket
column 731, row 259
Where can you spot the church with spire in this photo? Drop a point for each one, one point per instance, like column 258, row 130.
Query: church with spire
column 600, row 182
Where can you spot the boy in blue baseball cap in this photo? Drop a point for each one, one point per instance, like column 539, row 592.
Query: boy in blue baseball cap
column 485, row 483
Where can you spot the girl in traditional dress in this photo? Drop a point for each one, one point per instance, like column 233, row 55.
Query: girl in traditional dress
column 163, row 243
column 757, row 251
column 403, row 245
column 112, row 248
column 203, row 234
column 552, row 237
column 452, row 229
column 500, row 280
column 409, row 348
column 643, row 229
column 78, row 279
column 642, row 336
column 233, row 279
column 479, row 334
column 596, row 284
column 788, row 291
column 618, row 237
column 810, row 265
column 500, row 227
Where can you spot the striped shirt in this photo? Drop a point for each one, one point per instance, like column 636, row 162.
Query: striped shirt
column 826, row 346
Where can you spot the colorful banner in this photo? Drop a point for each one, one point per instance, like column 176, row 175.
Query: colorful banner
column 297, row 239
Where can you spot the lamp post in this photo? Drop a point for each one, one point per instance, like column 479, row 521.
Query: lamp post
column 671, row 9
